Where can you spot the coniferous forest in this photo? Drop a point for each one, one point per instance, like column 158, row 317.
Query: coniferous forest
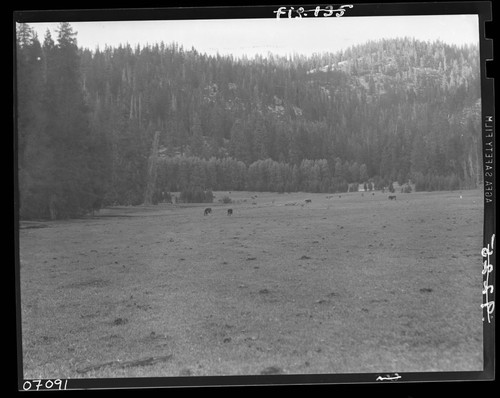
column 126, row 126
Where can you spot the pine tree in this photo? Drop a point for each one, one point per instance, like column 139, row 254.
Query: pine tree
column 240, row 143
column 34, row 153
column 363, row 173
column 74, row 175
column 418, row 156
column 196, row 142
column 260, row 137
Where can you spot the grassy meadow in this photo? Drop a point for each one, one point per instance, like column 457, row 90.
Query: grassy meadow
column 347, row 283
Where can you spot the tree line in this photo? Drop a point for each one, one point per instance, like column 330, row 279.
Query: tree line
column 181, row 173
column 390, row 110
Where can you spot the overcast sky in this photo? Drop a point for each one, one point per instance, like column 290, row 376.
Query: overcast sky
column 283, row 36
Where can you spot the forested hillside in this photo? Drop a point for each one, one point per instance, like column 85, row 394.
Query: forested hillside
column 391, row 110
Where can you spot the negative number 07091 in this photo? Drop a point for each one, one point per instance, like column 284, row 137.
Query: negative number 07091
column 56, row 384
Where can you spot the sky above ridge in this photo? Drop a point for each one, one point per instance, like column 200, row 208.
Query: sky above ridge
column 281, row 37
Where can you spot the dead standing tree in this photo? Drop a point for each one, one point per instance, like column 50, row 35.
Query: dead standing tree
column 152, row 171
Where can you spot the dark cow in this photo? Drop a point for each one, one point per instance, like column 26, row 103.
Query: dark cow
column 308, row 200
column 208, row 210
column 391, row 197
column 229, row 212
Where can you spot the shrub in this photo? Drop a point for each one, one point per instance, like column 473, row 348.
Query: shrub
column 406, row 188
column 226, row 199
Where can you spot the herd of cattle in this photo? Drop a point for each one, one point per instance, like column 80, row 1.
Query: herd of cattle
column 208, row 210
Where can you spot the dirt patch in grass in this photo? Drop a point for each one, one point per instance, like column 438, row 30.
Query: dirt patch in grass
column 87, row 284
column 125, row 364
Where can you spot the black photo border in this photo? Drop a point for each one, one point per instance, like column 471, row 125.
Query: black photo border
column 484, row 11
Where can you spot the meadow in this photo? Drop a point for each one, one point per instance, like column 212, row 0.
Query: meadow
column 347, row 283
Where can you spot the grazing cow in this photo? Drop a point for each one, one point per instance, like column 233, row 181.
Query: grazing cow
column 208, row 210
column 229, row 212
column 391, row 197
column 308, row 200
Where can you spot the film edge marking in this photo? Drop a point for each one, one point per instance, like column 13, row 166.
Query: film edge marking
column 488, row 305
column 300, row 12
